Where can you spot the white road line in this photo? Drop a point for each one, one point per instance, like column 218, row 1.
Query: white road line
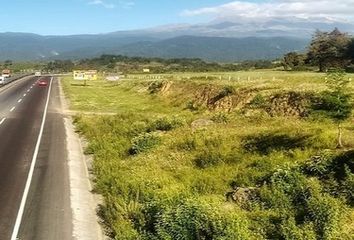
column 28, row 90
column 24, row 95
column 20, row 100
column 2, row 121
column 12, row 109
column 30, row 174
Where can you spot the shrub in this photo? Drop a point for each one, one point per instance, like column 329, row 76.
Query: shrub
column 194, row 220
column 325, row 212
column 289, row 230
column 155, row 87
column 258, row 102
column 292, row 183
column 143, row 142
column 349, row 188
column 335, row 105
column 343, row 164
column 192, row 106
column 220, row 117
column 165, row 124
column 188, row 143
column 318, row 166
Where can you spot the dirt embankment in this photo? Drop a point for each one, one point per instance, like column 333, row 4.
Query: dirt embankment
column 215, row 97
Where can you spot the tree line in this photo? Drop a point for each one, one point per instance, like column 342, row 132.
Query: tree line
column 125, row 64
column 327, row 50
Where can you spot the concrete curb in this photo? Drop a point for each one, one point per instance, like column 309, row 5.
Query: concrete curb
column 83, row 204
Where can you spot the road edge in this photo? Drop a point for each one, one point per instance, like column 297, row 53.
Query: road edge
column 83, row 203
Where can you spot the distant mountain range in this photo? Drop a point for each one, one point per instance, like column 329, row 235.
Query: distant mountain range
column 16, row 46
column 224, row 41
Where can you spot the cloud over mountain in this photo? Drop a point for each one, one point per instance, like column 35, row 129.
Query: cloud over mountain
column 305, row 9
column 280, row 18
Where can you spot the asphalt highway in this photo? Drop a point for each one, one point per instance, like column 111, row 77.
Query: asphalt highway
column 34, row 188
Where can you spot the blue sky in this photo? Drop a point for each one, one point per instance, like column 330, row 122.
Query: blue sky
column 65, row 17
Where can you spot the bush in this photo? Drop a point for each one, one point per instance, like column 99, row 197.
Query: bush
column 165, row 124
column 343, row 164
column 335, row 105
column 325, row 212
column 221, row 117
column 195, row 220
column 289, row 230
column 192, row 106
column 155, row 87
column 292, row 183
column 348, row 188
column 258, row 102
column 188, row 143
column 143, row 142
column 318, row 166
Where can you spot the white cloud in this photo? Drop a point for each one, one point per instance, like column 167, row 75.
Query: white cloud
column 126, row 4
column 102, row 3
column 113, row 4
column 341, row 10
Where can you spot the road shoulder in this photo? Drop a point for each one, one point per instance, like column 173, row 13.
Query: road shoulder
column 83, row 202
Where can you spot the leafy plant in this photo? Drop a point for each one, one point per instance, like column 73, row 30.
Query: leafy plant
column 165, row 124
column 221, row 117
column 258, row 101
column 336, row 103
column 143, row 142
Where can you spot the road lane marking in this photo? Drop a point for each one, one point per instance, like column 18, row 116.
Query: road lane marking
column 30, row 173
column 2, row 121
column 12, row 109
column 24, row 95
column 28, row 90
column 20, row 100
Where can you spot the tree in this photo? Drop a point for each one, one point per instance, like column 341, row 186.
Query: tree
column 59, row 66
column 336, row 102
column 293, row 60
column 7, row 63
column 350, row 51
column 329, row 49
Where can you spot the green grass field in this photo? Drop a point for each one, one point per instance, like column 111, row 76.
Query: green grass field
column 193, row 156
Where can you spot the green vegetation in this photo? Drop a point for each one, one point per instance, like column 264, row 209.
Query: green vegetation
column 17, row 67
column 336, row 102
column 126, row 65
column 327, row 50
column 226, row 156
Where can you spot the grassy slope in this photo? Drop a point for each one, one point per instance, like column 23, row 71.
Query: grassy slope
column 195, row 169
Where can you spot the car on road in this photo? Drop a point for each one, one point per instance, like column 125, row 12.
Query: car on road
column 42, row 83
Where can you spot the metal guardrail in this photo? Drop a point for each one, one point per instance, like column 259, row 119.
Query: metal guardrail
column 14, row 78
